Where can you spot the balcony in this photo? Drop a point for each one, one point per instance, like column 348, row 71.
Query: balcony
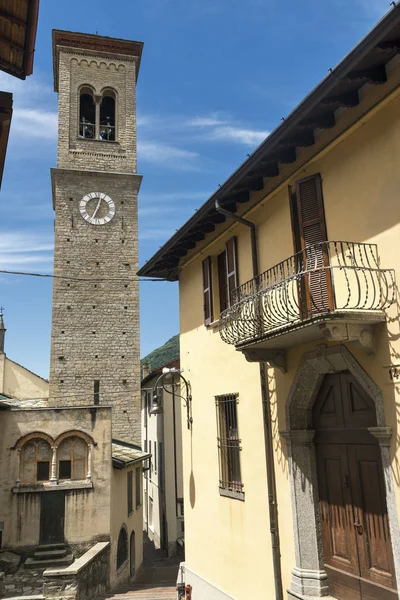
column 333, row 290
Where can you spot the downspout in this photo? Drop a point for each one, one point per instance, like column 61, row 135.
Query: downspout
column 269, row 451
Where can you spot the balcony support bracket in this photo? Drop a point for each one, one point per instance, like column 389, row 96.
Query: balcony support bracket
column 360, row 334
column 274, row 357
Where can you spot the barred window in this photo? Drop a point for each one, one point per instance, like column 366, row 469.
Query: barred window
column 230, row 479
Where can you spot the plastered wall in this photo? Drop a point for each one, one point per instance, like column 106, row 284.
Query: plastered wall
column 360, row 182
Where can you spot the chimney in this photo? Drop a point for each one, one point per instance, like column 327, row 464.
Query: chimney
column 145, row 370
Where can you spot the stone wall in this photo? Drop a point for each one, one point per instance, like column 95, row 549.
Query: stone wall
column 86, row 578
column 95, row 328
column 87, row 503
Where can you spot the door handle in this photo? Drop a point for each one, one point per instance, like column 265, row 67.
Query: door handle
column 359, row 527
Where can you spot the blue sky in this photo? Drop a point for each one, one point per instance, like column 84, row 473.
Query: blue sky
column 216, row 77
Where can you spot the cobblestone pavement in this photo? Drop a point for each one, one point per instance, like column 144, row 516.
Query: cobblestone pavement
column 24, row 583
column 156, row 581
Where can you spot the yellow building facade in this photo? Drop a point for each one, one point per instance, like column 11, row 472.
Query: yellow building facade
column 291, row 467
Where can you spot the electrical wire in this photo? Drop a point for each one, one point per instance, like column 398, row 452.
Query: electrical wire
column 47, row 275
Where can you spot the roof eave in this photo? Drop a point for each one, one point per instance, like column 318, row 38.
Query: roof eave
column 321, row 91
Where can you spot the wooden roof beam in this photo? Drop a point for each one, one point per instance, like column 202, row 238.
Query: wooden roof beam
column 9, row 44
column 325, row 121
column 11, row 19
column 375, row 75
column 392, row 46
column 301, row 140
column 347, row 100
column 269, row 168
column 287, row 157
column 241, row 196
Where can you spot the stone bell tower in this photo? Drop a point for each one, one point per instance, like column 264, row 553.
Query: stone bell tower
column 95, row 326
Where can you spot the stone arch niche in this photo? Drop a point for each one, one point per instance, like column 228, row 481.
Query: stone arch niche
column 308, row 576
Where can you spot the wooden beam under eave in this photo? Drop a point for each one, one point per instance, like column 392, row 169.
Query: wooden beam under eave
column 242, row 196
column 301, row 140
column 11, row 19
column 391, row 46
column 207, row 227
column 375, row 75
column 287, row 157
column 6, row 43
column 346, row 100
column 325, row 121
column 268, row 168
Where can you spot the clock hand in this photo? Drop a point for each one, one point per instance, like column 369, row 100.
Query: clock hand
column 96, row 209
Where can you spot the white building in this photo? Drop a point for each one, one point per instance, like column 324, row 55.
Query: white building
column 163, row 481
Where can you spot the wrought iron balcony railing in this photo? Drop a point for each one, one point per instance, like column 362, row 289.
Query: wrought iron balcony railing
column 330, row 278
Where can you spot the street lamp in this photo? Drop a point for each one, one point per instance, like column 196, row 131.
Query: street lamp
column 167, row 377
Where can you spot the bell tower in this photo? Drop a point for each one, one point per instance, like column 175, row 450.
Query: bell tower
column 95, row 320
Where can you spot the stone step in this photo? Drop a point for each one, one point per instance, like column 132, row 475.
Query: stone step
column 32, row 563
column 49, row 554
column 60, row 546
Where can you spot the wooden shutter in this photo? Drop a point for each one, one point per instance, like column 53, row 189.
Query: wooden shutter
column 232, row 278
column 222, row 281
column 207, row 290
column 316, row 285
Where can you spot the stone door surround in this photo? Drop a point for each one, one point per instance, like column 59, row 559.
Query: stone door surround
column 309, row 579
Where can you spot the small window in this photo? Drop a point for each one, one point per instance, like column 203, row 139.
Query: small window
column 87, row 114
column 96, row 391
column 207, row 290
column 228, row 443
column 155, row 457
column 160, row 466
column 151, row 460
column 72, row 458
column 228, row 279
column 35, row 461
column 130, row 491
column 138, row 486
column 122, row 548
column 107, row 118
column 151, row 513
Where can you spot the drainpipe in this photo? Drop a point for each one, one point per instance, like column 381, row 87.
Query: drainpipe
column 269, row 450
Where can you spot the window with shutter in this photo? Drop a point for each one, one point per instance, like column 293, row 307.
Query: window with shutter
column 222, row 282
column 231, row 269
column 309, row 231
column 207, row 290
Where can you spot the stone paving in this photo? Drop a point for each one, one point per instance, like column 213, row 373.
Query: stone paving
column 24, row 583
column 156, row 581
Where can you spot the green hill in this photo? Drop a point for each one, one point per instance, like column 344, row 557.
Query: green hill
column 160, row 356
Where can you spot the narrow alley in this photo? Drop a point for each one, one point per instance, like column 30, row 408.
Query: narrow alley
column 157, row 580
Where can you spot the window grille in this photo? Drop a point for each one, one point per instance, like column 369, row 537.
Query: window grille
column 122, row 548
column 228, row 443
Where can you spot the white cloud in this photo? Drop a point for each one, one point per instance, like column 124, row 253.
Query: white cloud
column 156, row 234
column 167, row 155
column 211, row 121
column 249, row 137
column 29, row 122
column 23, row 248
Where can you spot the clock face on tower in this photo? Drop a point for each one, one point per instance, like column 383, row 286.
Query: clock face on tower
column 97, row 208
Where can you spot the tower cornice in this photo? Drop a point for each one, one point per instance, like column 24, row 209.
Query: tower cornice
column 99, row 45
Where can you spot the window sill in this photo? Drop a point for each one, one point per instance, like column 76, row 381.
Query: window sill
column 26, row 488
column 213, row 325
column 231, row 494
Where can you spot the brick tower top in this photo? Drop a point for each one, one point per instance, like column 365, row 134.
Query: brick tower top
column 95, row 77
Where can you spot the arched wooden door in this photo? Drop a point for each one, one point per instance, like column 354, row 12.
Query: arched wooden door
column 355, row 529
column 132, row 555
